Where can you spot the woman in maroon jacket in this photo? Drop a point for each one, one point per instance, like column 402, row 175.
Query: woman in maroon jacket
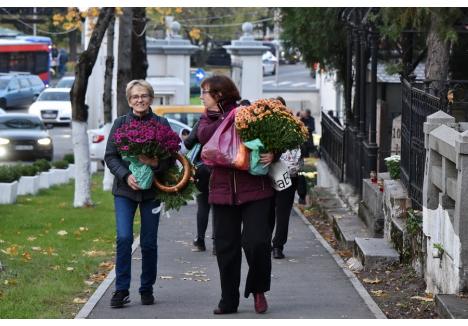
column 241, row 206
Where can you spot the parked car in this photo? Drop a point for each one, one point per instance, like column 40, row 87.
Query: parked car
column 187, row 114
column 19, row 89
column 98, row 138
column 24, row 137
column 218, row 57
column 65, row 82
column 53, row 106
column 268, row 63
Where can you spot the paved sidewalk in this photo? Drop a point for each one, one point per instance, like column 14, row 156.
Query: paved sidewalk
column 309, row 283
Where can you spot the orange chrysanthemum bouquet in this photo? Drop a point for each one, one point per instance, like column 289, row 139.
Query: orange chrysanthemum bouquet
column 272, row 123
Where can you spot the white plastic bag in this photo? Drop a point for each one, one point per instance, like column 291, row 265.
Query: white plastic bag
column 279, row 175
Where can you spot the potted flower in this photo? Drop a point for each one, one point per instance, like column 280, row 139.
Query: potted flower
column 393, row 166
column 8, row 184
column 43, row 167
column 29, row 180
column 59, row 170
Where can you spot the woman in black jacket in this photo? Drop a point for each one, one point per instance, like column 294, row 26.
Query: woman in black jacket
column 202, row 178
column 128, row 196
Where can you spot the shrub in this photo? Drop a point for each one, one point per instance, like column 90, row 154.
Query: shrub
column 8, row 174
column 42, row 165
column 27, row 170
column 393, row 166
column 70, row 158
column 61, row 164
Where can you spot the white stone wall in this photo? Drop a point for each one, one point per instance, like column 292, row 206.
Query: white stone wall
column 442, row 274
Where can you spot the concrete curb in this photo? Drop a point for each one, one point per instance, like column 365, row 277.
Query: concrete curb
column 374, row 308
column 102, row 288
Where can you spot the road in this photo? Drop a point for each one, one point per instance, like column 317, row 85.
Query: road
column 290, row 77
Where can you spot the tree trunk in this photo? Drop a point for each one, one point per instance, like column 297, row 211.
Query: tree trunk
column 83, row 70
column 437, row 57
column 124, row 70
column 107, row 98
column 139, row 57
column 72, row 42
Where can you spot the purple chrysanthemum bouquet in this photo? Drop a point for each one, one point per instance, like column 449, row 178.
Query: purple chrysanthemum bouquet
column 148, row 138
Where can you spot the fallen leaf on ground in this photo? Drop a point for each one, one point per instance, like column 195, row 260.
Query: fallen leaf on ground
column 62, row 232
column 79, row 300
column 96, row 240
column 94, row 253
column 36, row 248
column 378, row 293
column 98, row 277
column 425, row 299
column 89, row 282
column 371, row 281
column 70, row 269
column 10, row 282
column 82, row 228
column 166, row 277
column 31, row 238
column 2, row 241
column 107, row 265
column 11, row 251
column 26, row 256
column 55, row 268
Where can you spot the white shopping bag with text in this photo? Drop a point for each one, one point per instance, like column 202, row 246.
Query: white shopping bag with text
column 279, row 175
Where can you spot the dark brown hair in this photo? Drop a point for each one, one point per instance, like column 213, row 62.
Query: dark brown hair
column 222, row 89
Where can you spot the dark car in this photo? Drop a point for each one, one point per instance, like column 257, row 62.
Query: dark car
column 19, row 89
column 218, row 57
column 24, row 137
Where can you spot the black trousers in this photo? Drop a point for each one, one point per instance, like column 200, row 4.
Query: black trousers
column 202, row 177
column 203, row 212
column 244, row 226
column 280, row 214
column 301, row 186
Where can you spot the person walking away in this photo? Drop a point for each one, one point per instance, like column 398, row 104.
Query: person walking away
column 128, row 196
column 309, row 122
column 202, row 176
column 284, row 200
column 241, row 208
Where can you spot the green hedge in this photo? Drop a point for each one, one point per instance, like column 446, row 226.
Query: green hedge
column 27, row 170
column 42, row 165
column 70, row 158
column 8, row 174
column 62, row 164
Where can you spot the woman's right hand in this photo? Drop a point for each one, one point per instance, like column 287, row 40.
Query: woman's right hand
column 132, row 183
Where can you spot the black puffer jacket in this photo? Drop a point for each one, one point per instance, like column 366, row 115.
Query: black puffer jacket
column 119, row 167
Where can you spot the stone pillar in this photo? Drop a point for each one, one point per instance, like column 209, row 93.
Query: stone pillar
column 171, row 58
column 246, row 58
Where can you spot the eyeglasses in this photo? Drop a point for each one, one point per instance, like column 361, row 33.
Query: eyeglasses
column 205, row 91
column 137, row 97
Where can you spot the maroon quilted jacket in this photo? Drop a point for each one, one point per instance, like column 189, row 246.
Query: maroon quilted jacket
column 229, row 186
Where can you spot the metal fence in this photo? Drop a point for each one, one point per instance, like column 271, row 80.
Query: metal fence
column 417, row 104
column 332, row 145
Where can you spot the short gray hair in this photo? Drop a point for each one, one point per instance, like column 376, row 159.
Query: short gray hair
column 142, row 83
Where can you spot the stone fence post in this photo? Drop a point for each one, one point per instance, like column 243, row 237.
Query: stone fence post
column 445, row 204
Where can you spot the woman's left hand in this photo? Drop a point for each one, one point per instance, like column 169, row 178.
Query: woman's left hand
column 266, row 158
column 153, row 162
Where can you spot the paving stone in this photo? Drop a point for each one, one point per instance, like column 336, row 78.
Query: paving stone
column 348, row 227
column 374, row 252
column 452, row 306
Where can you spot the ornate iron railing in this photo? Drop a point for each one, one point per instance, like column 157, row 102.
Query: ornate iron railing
column 416, row 106
column 332, row 145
